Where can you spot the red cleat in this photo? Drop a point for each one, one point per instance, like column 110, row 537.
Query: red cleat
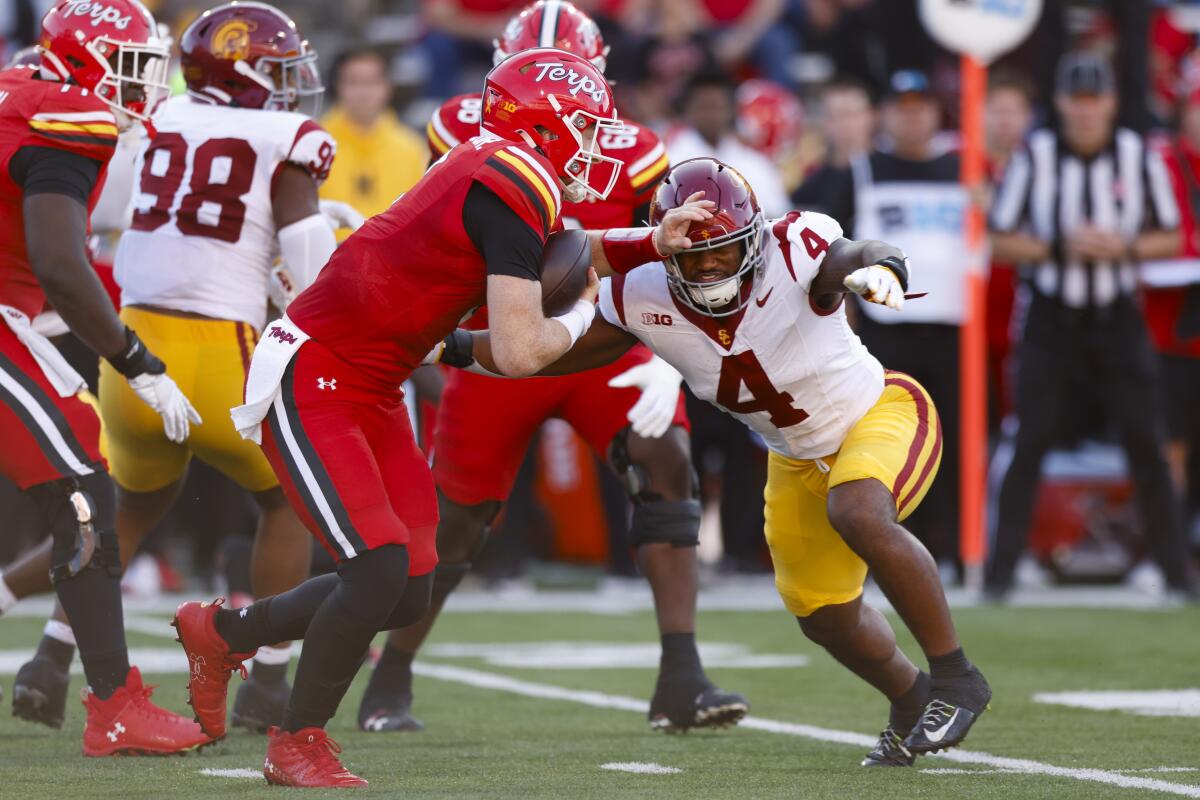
column 308, row 759
column 210, row 661
column 129, row 724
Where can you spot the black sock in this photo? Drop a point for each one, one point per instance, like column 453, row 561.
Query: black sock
column 269, row 673
column 59, row 653
column 392, row 677
column 951, row 665
column 906, row 709
column 281, row 618
column 92, row 600
column 368, row 588
column 679, row 656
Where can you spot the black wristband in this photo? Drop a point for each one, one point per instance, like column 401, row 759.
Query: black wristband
column 899, row 267
column 459, row 350
column 135, row 359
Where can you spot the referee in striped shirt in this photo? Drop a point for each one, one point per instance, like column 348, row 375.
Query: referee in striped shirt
column 1079, row 209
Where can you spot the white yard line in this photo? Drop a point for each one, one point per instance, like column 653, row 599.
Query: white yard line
column 503, row 683
column 641, row 767
column 241, row 773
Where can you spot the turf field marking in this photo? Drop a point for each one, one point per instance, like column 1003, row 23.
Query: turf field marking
column 503, row 683
column 1159, row 703
column 641, row 767
column 241, row 773
column 608, row 655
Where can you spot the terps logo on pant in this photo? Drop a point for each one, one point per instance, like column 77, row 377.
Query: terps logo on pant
column 279, row 333
column 330, row 384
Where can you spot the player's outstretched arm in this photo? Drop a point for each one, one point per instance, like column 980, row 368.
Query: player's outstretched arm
column 877, row 271
column 603, row 344
column 619, row 250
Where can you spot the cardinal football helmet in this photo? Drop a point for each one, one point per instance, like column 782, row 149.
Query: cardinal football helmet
column 558, row 103
column 553, row 23
column 249, row 55
column 737, row 218
column 112, row 48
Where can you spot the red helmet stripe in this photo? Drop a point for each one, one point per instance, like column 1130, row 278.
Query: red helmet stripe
column 548, row 34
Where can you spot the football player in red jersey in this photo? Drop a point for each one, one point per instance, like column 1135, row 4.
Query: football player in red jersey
column 101, row 66
column 322, row 391
column 485, row 425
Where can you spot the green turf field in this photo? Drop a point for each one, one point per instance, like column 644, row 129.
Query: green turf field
column 488, row 737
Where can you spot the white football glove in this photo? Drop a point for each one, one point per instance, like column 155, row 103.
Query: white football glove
column 652, row 414
column 341, row 215
column 281, row 287
column 876, row 284
column 165, row 397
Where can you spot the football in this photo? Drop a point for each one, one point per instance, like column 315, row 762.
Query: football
column 565, row 263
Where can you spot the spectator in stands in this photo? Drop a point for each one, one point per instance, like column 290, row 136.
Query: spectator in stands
column 708, row 114
column 1007, row 119
column 460, row 35
column 1079, row 208
column 378, row 157
column 847, row 124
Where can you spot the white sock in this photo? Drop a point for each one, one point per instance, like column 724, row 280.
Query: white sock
column 7, row 598
column 60, row 631
column 274, row 655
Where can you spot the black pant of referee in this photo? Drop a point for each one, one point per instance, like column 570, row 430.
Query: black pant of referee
column 1107, row 350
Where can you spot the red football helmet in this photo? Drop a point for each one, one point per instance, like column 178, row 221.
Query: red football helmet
column 25, row 57
column 552, row 23
column 111, row 48
column 737, row 220
column 558, row 103
column 249, row 55
column 770, row 118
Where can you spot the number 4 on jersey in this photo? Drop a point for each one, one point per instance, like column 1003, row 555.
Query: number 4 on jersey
column 744, row 368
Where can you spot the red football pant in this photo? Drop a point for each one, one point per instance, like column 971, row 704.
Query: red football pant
column 43, row 437
column 484, row 424
column 349, row 463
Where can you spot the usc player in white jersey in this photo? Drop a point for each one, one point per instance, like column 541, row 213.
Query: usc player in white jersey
column 228, row 183
column 751, row 314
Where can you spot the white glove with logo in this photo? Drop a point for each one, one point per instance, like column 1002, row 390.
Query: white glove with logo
column 341, row 215
column 652, row 414
column 281, row 287
column 878, row 285
column 160, row 393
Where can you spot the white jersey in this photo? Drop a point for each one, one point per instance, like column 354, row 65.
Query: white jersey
column 795, row 374
column 203, row 236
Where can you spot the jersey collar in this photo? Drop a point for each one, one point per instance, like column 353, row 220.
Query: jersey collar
column 720, row 329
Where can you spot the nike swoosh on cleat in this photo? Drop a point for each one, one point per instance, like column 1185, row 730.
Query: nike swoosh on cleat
column 762, row 301
column 940, row 733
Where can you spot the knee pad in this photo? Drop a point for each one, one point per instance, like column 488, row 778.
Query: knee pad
column 372, row 583
column 447, row 577
column 414, row 605
column 80, row 515
column 634, row 475
column 673, row 521
column 463, row 529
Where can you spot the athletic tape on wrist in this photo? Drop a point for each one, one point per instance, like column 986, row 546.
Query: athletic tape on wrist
column 578, row 319
column 628, row 248
column 59, row 631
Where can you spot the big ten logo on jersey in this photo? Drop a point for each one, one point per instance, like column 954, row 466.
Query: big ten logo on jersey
column 929, row 216
column 653, row 318
column 99, row 13
column 212, row 207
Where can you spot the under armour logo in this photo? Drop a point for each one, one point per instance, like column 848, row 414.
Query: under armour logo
column 330, row 384
column 198, row 663
column 116, row 731
column 244, row 611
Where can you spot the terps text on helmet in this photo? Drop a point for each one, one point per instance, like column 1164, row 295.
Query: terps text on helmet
column 557, row 73
column 100, row 13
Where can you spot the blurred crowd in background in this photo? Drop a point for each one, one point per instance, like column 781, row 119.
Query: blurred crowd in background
column 801, row 96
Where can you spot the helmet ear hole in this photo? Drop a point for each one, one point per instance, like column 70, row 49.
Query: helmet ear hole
column 545, row 133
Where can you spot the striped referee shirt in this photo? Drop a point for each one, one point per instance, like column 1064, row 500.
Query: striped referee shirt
column 1048, row 192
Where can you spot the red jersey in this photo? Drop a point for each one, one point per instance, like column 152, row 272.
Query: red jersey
column 39, row 113
column 642, row 155
column 1169, row 281
column 403, row 281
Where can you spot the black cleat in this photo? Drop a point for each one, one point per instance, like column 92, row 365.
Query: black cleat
column 953, row 707
column 673, row 710
column 388, row 715
column 40, row 692
column 889, row 751
column 260, row 704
